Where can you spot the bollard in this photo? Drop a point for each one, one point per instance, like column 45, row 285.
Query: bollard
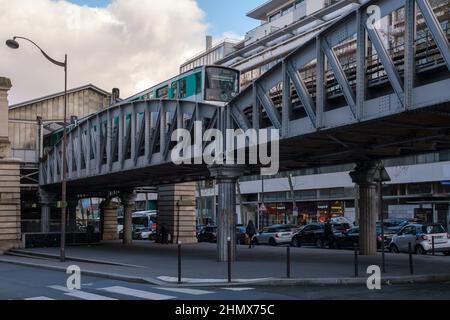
column 179, row 262
column 288, row 262
column 432, row 244
column 356, row 260
column 229, row 259
column 411, row 268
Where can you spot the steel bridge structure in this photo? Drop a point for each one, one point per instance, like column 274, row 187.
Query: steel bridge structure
column 361, row 91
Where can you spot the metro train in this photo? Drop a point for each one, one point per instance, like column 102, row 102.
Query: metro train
column 212, row 84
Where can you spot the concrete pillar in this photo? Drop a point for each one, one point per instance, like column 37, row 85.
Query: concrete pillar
column 226, row 178
column 46, row 199
column 128, row 198
column 109, row 215
column 10, row 229
column 364, row 175
column 176, row 207
column 72, row 205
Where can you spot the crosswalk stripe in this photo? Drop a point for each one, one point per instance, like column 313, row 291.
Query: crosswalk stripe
column 186, row 291
column 238, row 289
column 39, row 299
column 88, row 296
column 137, row 293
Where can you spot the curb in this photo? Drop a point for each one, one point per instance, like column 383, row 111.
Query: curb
column 268, row 282
column 31, row 254
column 111, row 276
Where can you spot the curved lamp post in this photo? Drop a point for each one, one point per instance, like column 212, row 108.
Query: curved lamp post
column 13, row 44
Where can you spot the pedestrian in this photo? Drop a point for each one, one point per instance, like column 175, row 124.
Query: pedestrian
column 90, row 233
column 329, row 234
column 164, row 234
column 250, row 231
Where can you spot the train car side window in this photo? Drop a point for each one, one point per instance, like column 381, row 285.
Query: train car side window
column 198, row 83
column 162, row 93
column 183, row 88
column 175, row 90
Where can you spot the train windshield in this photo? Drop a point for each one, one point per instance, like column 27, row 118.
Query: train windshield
column 221, row 84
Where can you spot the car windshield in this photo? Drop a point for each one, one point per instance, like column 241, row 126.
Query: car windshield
column 433, row 229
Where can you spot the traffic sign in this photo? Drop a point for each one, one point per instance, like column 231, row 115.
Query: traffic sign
column 295, row 212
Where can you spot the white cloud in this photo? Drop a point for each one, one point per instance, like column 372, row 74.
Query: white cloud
column 131, row 44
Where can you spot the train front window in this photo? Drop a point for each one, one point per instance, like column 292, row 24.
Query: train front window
column 221, row 84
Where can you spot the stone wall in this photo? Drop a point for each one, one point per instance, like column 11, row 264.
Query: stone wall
column 10, row 233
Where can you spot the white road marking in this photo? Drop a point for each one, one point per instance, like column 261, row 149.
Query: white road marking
column 194, row 292
column 88, row 296
column 61, row 288
column 238, row 289
column 40, row 299
column 137, row 293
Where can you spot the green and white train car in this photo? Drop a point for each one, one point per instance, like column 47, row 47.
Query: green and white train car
column 212, row 84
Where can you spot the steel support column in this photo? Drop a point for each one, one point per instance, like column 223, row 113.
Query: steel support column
column 128, row 198
column 364, row 175
column 226, row 177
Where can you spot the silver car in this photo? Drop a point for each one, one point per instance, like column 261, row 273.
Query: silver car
column 274, row 235
column 421, row 238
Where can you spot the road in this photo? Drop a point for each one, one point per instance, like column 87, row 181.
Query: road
column 25, row 283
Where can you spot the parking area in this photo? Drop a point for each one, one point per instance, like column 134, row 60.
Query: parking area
column 199, row 261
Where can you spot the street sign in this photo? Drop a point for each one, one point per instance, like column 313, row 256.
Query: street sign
column 295, row 212
column 263, row 208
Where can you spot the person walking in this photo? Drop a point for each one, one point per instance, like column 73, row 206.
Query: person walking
column 329, row 234
column 250, row 231
column 164, row 234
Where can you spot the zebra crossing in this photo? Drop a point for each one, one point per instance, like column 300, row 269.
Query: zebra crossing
column 122, row 292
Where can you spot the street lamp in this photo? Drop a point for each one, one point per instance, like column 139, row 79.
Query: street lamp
column 13, row 44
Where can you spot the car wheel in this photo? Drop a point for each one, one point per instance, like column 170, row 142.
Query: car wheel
column 319, row 243
column 296, row 243
column 255, row 242
column 272, row 242
column 420, row 250
column 394, row 249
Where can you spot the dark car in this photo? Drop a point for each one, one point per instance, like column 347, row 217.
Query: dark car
column 395, row 225
column 199, row 228
column 208, row 234
column 314, row 234
column 347, row 240
column 241, row 236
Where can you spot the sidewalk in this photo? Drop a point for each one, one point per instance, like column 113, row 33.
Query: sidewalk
column 263, row 265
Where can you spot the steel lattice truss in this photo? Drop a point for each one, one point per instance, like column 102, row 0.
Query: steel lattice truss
column 348, row 78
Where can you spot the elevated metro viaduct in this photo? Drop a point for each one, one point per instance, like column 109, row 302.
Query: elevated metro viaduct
column 387, row 102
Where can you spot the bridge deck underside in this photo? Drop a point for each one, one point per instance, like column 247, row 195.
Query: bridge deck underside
column 421, row 131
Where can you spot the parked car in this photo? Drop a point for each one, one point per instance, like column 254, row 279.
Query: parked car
column 347, row 240
column 208, row 234
column 395, row 225
column 134, row 228
column 421, row 238
column 314, row 234
column 241, row 236
column 274, row 235
column 143, row 233
column 199, row 228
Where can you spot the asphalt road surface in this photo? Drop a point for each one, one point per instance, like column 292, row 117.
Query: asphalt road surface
column 26, row 283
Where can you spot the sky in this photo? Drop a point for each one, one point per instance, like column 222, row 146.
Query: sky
column 222, row 16
column 129, row 44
